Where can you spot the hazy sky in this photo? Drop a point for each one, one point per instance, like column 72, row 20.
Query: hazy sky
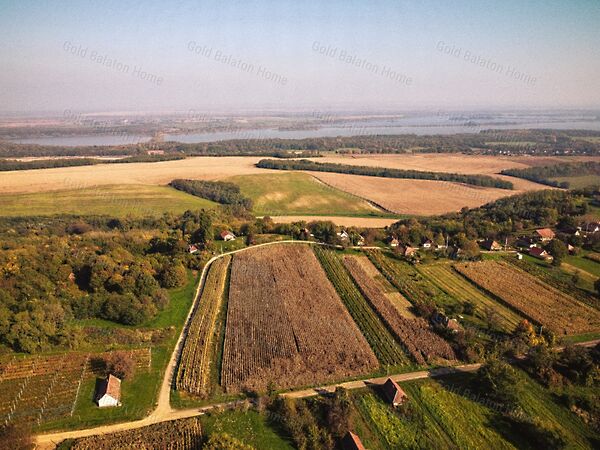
column 208, row 55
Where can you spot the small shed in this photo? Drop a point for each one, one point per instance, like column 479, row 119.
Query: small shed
column 109, row 392
column 393, row 393
column 352, row 442
column 491, row 245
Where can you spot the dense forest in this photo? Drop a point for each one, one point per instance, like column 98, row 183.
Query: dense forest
column 493, row 142
column 218, row 191
column 304, row 164
column 544, row 174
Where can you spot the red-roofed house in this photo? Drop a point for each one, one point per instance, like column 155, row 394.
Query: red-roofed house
column 352, row 442
column 545, row 234
column 109, row 392
column 539, row 253
column 393, row 393
column 227, row 235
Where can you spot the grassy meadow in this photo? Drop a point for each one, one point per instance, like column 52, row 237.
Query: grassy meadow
column 300, row 194
column 114, row 200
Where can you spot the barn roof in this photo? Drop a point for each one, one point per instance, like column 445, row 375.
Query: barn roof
column 545, row 233
column 111, row 386
column 352, row 442
column 393, row 392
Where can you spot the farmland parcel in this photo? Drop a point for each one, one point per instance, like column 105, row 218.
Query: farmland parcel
column 287, row 325
column 538, row 301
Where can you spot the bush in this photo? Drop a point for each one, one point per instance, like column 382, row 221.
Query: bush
column 120, row 364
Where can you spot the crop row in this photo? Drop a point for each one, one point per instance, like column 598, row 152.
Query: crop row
column 44, row 388
column 197, row 354
column 382, row 342
column 183, row 434
column 550, row 278
column 420, row 342
column 452, row 283
column 286, row 324
column 536, row 300
column 404, row 278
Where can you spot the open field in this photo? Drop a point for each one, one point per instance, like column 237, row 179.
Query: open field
column 385, row 347
column 419, row 197
column 538, row 301
column 287, row 325
column 420, row 342
column 362, row 222
column 451, row 282
column 449, row 414
column 452, row 162
column 120, row 200
column 158, row 173
column 197, row 356
column 579, row 182
column 298, row 193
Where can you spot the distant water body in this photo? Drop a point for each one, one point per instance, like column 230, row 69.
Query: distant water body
column 430, row 125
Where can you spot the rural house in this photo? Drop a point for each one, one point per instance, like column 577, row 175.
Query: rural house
column 427, row 244
column 539, row 253
column 109, row 392
column 491, row 245
column 352, row 442
column 192, row 249
column 393, row 393
column 544, row 234
column 343, row 235
column 394, row 242
column 409, row 251
column 227, row 236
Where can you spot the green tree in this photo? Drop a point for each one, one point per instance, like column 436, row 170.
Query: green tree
column 558, row 250
column 173, row 275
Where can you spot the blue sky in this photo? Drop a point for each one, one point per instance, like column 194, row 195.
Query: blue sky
column 123, row 55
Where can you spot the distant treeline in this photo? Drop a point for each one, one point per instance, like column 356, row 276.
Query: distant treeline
column 304, row 164
column 489, row 142
column 544, row 174
column 216, row 191
column 13, row 164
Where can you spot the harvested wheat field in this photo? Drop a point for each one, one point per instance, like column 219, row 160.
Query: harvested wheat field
column 535, row 299
column 161, row 173
column 451, row 162
column 287, row 325
column 363, row 222
column 419, row 197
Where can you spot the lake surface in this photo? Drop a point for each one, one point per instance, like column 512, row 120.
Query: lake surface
column 434, row 124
